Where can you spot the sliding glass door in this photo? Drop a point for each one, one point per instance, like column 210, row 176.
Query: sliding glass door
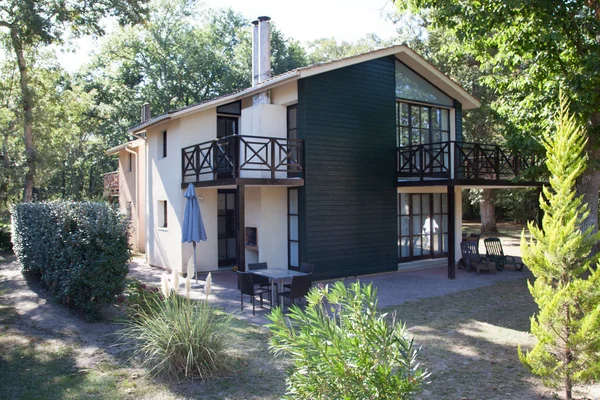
column 422, row 226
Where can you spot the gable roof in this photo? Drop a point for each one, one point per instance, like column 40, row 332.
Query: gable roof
column 401, row 52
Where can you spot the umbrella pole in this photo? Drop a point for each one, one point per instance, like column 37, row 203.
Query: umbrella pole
column 195, row 270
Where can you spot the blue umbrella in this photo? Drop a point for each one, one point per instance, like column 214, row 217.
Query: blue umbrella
column 192, row 229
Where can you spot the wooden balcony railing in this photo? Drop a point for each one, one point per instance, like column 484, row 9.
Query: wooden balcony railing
column 237, row 156
column 111, row 184
column 472, row 161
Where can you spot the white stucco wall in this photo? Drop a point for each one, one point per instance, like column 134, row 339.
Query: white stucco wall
column 207, row 255
column 132, row 190
column 266, row 209
column 164, row 183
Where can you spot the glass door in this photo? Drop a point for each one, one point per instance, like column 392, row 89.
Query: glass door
column 422, row 226
column 227, row 214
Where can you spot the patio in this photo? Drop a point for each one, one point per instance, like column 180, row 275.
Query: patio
column 394, row 288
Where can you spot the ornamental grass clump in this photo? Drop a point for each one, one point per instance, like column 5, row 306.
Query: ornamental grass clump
column 343, row 348
column 180, row 337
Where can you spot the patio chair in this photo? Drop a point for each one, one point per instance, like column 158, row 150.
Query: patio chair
column 261, row 281
column 304, row 267
column 495, row 254
column 299, row 287
column 246, row 285
column 471, row 259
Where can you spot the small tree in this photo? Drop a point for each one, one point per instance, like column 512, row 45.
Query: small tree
column 567, row 288
column 343, row 348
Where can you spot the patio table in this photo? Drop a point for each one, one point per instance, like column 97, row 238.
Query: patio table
column 279, row 275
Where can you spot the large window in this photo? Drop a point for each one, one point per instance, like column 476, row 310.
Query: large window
column 417, row 124
column 422, row 225
column 412, row 86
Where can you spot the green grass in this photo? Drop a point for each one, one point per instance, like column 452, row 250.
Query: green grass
column 470, row 342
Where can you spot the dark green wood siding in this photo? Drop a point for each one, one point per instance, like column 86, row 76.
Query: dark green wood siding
column 348, row 223
column 458, row 119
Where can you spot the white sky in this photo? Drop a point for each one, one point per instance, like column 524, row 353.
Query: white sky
column 346, row 20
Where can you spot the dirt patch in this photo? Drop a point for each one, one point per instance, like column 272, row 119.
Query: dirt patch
column 30, row 311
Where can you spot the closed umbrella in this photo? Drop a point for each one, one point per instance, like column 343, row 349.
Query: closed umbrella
column 192, row 228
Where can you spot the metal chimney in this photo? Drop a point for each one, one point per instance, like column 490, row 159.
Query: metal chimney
column 264, row 48
column 255, row 72
column 145, row 112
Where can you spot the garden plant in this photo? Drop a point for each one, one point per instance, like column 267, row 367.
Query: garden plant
column 177, row 336
column 567, row 279
column 343, row 348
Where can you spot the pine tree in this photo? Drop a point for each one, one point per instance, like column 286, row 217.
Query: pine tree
column 567, row 280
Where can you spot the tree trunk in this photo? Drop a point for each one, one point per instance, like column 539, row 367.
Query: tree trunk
column 488, row 212
column 27, row 103
column 588, row 183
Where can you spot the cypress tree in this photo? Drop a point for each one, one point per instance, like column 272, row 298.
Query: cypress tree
column 567, row 280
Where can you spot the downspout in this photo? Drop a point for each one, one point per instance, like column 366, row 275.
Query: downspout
column 146, row 169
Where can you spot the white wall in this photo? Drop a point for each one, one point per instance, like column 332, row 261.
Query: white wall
column 207, row 255
column 132, row 190
column 266, row 209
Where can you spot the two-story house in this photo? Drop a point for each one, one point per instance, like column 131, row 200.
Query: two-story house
column 354, row 165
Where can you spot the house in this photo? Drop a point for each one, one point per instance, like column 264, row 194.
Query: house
column 354, row 165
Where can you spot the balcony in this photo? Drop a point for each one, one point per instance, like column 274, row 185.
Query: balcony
column 474, row 163
column 111, row 184
column 243, row 160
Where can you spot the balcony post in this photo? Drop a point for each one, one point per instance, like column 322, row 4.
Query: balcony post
column 215, row 158
column 272, row 140
column 451, row 193
column 497, row 162
column 237, row 155
column 197, row 162
column 240, row 228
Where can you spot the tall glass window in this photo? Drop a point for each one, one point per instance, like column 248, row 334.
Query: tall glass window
column 416, row 124
column 293, row 231
column 411, row 86
column 422, row 226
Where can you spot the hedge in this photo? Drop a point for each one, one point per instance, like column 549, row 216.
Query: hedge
column 80, row 251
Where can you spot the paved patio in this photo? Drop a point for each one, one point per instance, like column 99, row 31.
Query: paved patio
column 393, row 288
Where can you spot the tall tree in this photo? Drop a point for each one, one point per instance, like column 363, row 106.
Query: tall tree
column 528, row 50
column 567, row 285
column 30, row 23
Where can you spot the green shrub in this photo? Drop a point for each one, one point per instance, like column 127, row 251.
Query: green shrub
column 343, row 348
column 5, row 242
column 80, row 251
column 180, row 337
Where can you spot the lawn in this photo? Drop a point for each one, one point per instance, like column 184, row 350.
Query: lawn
column 469, row 344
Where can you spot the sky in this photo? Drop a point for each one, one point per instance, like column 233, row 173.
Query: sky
column 346, row 20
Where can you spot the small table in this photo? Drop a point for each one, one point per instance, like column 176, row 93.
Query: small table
column 276, row 274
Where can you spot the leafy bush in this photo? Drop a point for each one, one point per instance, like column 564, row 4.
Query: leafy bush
column 80, row 251
column 180, row 337
column 5, row 242
column 343, row 348
column 138, row 296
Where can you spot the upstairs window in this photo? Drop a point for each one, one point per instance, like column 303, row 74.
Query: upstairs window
column 411, row 86
column 417, row 124
column 130, row 162
column 162, row 214
column 164, row 144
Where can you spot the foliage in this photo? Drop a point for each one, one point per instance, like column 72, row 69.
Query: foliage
column 343, row 348
column 137, row 297
column 181, row 337
column 5, row 242
column 567, row 288
column 80, row 251
column 527, row 51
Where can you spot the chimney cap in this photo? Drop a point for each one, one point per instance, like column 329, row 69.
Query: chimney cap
column 264, row 19
column 255, row 22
